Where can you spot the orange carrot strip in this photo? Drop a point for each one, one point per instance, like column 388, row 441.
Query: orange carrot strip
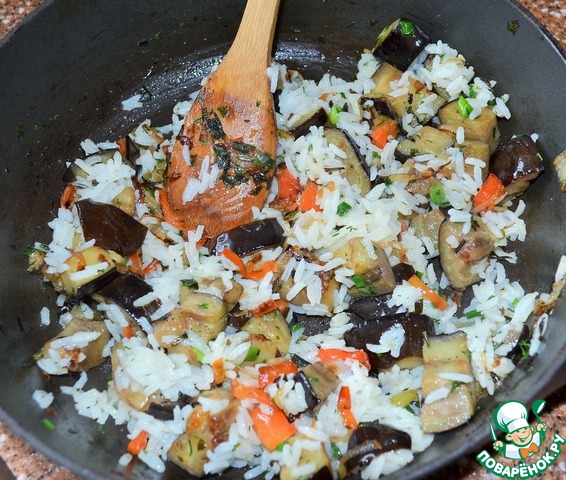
column 380, row 135
column 268, row 374
column 128, row 331
column 122, row 147
column 218, row 371
column 344, row 407
column 332, row 354
column 265, row 307
column 489, row 194
column 136, row 263
column 243, row 392
column 258, row 274
column 150, row 267
column 307, row 200
column 282, row 305
column 428, row 293
column 272, row 429
column 67, row 195
column 138, row 443
column 235, row 259
column 288, row 185
column 169, row 215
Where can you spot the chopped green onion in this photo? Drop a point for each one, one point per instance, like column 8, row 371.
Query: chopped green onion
column 473, row 314
column 48, row 424
column 200, row 354
column 472, row 91
column 223, row 111
column 382, row 34
column 343, row 209
column 516, row 302
column 454, row 386
column 296, row 327
column 492, row 103
column 334, row 115
column 336, row 453
column 252, row 354
column 359, row 281
column 464, row 107
column 204, row 306
column 407, row 27
column 279, row 447
column 437, row 195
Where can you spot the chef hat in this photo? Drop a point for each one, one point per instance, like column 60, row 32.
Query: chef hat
column 511, row 416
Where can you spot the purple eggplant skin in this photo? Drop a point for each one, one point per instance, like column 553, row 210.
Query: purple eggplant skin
column 323, row 474
column 370, row 307
column 517, row 163
column 312, row 324
column 249, row 237
column 400, row 43
column 110, row 227
column 370, row 332
column 124, row 290
column 97, row 283
column 317, row 119
column 370, row 440
column 403, row 271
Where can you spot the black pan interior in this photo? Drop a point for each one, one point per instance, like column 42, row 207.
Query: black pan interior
column 64, row 74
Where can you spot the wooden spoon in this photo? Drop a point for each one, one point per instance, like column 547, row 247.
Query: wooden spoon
column 230, row 129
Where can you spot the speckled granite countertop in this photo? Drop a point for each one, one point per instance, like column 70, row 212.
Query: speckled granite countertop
column 27, row 464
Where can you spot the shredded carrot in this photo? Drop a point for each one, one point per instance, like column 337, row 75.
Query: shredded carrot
column 218, row 370
column 268, row 374
column 344, row 407
column 282, row 305
column 265, row 307
column 235, row 259
column 128, row 331
column 122, row 147
column 243, row 392
column 51, row 411
column 250, row 274
column 489, row 194
column 150, row 267
column 324, row 97
column 428, row 293
column 307, row 200
column 136, row 263
column 272, row 429
column 288, row 185
column 380, row 135
column 138, row 443
column 68, row 195
column 169, row 215
column 332, row 354
column 261, row 272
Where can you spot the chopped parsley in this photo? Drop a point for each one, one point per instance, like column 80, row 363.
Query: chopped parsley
column 525, row 346
column 513, row 26
column 343, row 209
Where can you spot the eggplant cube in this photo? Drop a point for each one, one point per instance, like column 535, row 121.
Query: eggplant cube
column 447, row 375
column 400, row 43
column 483, row 128
column 517, row 163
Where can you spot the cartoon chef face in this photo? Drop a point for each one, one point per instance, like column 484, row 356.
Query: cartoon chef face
column 521, row 437
column 511, row 417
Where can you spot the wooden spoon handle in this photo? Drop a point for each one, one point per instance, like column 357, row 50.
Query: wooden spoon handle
column 251, row 50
